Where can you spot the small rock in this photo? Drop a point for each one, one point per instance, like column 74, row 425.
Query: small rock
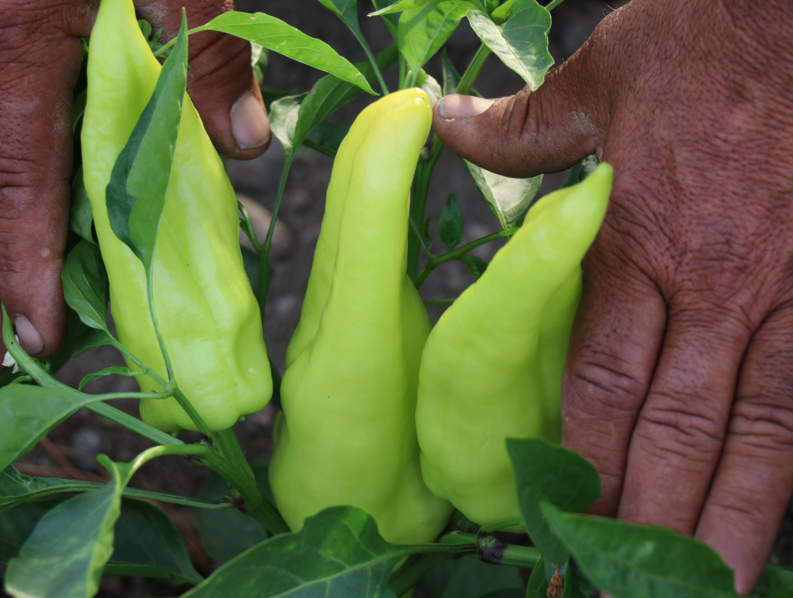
column 284, row 239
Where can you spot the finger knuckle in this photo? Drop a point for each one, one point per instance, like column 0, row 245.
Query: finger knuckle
column 764, row 421
column 219, row 62
column 681, row 425
column 599, row 385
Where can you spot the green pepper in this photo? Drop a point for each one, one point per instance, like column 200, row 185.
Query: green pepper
column 347, row 433
column 492, row 366
column 206, row 310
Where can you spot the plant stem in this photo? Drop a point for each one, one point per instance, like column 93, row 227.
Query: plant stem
column 228, row 461
column 474, row 68
column 519, row 556
column 424, row 169
column 264, row 255
column 438, row 302
column 418, row 204
column 365, row 45
column 551, row 5
column 436, row 261
column 132, row 423
column 414, row 569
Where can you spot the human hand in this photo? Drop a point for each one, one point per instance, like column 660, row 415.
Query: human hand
column 679, row 378
column 40, row 57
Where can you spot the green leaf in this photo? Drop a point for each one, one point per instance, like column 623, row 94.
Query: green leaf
column 422, row 31
column 476, row 265
column 521, row 43
column 326, row 138
column 81, row 216
column 16, row 526
column 85, row 284
column 226, row 534
column 538, row 580
column 28, row 413
column 94, row 338
column 469, row 578
column 626, row 560
column 544, row 471
column 16, row 488
column 119, row 370
column 337, row 554
column 146, row 543
column 331, row 93
column 450, row 227
column 68, row 549
column 283, row 121
column 284, row 39
column 508, row 198
column 403, row 5
column 346, row 10
column 775, row 581
column 391, row 21
column 139, row 180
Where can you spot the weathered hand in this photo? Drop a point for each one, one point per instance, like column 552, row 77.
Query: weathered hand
column 40, row 59
column 679, row 379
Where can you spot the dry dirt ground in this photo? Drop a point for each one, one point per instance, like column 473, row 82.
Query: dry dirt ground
column 70, row 449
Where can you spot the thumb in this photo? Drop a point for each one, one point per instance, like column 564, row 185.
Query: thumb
column 544, row 131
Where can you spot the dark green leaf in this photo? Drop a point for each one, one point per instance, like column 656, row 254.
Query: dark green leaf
column 774, row 580
column 422, row 31
column 85, row 284
column 476, row 265
column 17, row 524
column 327, row 137
column 331, row 93
column 78, row 109
column 627, row 560
column 425, row 231
column 284, row 39
column 544, row 471
column 68, row 549
column 511, row 593
column 346, row 10
column 148, row 544
column 94, row 338
column 76, row 334
column 508, row 198
column 27, row 413
column 16, row 488
column 108, row 371
column 575, row 584
column 538, row 580
column 391, row 21
column 139, row 180
column 450, row 227
column 226, row 534
column 521, row 43
column 337, row 554
column 469, row 578
column 259, row 59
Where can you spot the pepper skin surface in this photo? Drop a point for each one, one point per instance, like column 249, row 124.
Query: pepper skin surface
column 492, row 366
column 347, row 434
column 206, row 310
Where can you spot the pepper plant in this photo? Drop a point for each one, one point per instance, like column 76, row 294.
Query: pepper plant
column 138, row 225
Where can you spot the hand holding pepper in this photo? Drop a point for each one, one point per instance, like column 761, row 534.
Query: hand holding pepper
column 679, row 379
column 40, row 59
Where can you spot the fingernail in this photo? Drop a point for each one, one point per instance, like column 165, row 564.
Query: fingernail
column 29, row 337
column 459, row 106
column 249, row 123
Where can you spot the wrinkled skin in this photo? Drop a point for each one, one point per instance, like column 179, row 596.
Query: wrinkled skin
column 679, row 381
column 40, row 57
